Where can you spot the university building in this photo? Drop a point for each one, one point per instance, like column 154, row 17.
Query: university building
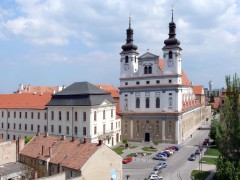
column 157, row 101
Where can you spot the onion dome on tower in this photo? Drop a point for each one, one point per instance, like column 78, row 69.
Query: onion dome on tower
column 129, row 46
column 172, row 41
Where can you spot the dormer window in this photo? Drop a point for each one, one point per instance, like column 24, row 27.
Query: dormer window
column 170, row 55
column 126, row 59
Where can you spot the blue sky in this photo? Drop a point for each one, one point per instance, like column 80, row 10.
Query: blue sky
column 58, row 42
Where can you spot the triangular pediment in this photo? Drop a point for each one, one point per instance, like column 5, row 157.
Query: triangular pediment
column 148, row 55
column 105, row 103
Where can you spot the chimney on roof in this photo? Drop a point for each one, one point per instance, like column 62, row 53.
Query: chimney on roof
column 42, row 149
column 73, row 139
column 100, row 141
column 50, row 151
column 63, row 137
column 85, row 140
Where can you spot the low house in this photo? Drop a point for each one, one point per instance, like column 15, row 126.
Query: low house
column 51, row 155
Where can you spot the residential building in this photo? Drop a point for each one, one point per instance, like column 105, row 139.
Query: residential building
column 51, row 155
column 157, row 101
column 84, row 110
column 199, row 94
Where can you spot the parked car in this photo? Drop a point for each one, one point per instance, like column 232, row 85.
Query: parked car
column 162, row 165
column 164, row 154
column 155, row 177
column 160, row 157
column 206, row 141
column 192, row 157
column 156, row 170
column 175, row 147
column 127, row 160
column 169, row 151
column 197, row 151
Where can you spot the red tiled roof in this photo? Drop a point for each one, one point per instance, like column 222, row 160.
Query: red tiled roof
column 70, row 154
column 109, row 88
column 185, row 80
column 24, row 101
column 198, row 90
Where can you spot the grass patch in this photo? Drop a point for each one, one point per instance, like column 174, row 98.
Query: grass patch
column 213, row 151
column 132, row 147
column 199, row 175
column 118, row 150
column 131, row 155
column 208, row 160
column 149, row 149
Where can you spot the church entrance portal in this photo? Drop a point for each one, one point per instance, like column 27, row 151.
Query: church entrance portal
column 147, row 137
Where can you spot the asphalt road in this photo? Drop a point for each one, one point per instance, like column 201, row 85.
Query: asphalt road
column 178, row 165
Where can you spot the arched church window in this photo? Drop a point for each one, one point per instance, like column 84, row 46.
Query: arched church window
column 126, row 59
column 125, row 104
column 145, row 70
column 170, row 55
column 137, row 102
column 147, row 102
column 150, row 70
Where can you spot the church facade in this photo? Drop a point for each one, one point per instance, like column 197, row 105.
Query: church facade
column 157, row 102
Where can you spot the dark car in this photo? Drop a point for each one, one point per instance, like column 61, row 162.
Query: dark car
column 206, row 141
column 192, row 157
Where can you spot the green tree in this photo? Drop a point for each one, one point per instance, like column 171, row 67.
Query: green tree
column 228, row 133
column 214, row 129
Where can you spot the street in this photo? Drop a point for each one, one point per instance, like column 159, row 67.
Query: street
column 178, row 165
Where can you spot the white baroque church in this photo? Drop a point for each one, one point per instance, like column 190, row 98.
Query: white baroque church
column 157, row 102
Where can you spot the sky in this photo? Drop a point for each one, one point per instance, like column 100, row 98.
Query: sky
column 59, row 42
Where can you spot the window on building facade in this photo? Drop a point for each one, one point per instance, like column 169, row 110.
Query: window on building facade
column 8, row 114
column 84, row 131
column 14, row 137
column 67, row 129
column 2, row 114
column 125, row 104
column 170, row 101
column 157, row 102
column 52, row 128
column 116, row 125
column 25, row 115
column 147, row 82
column 169, row 81
column 95, row 115
column 157, row 129
column 137, row 83
column 169, row 127
column 2, row 126
column 20, row 115
column 170, row 55
column 147, row 102
column 32, row 115
column 25, row 127
column 20, row 126
column 38, row 115
column 76, row 116
column 104, row 114
column 8, row 136
column 45, row 128
column 14, row 114
column 67, row 115
column 95, row 129
column 125, row 128
column 112, row 126
column 137, row 102
column 84, row 116
column 59, row 129
column 14, row 126
column 148, row 70
column 126, row 83
column 60, row 115
column 45, row 115
column 52, row 115
column 126, row 59
column 104, row 129
column 137, row 128
column 31, row 127
column 157, row 82
column 75, row 130
column 8, row 125
column 38, row 128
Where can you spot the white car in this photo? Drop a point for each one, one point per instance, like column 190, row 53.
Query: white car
column 155, row 177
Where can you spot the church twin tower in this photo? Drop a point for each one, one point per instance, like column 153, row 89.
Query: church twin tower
column 152, row 90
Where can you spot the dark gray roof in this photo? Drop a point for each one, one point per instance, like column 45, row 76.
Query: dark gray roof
column 12, row 167
column 80, row 94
